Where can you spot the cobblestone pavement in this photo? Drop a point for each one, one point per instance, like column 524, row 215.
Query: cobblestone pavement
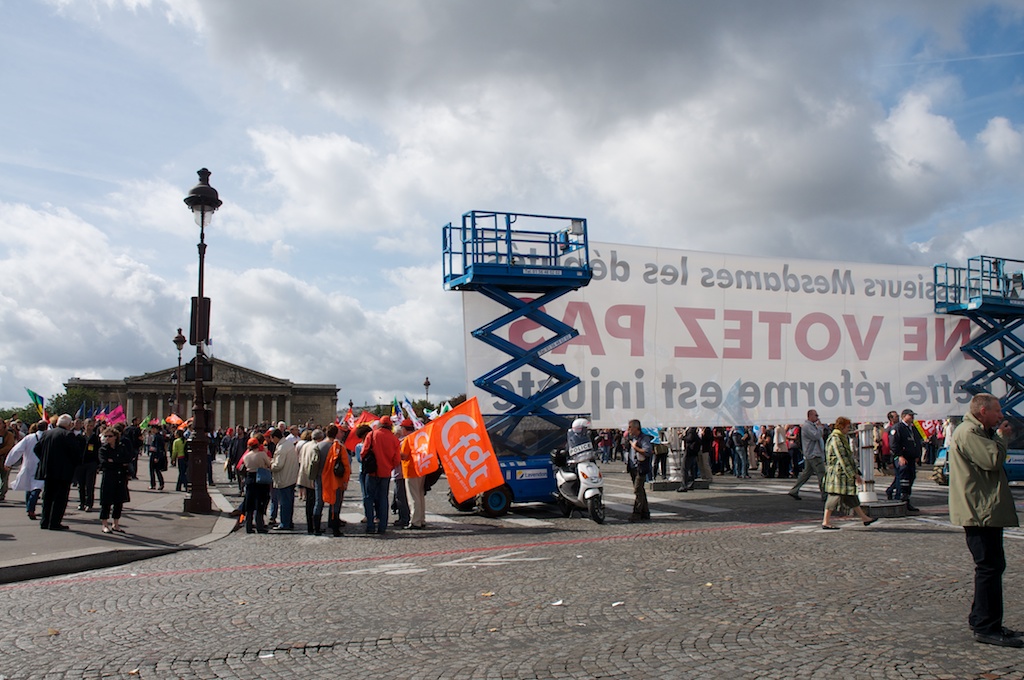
column 733, row 582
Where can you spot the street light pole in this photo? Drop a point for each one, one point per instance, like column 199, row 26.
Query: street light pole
column 179, row 342
column 203, row 201
column 426, row 389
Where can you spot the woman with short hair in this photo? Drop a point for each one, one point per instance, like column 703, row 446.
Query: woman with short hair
column 115, row 460
column 841, row 475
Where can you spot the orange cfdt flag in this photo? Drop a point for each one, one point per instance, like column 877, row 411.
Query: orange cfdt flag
column 422, row 460
column 461, row 440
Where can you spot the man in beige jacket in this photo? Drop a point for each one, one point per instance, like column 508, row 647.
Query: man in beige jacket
column 980, row 502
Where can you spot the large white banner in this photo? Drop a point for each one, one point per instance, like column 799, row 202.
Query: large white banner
column 677, row 337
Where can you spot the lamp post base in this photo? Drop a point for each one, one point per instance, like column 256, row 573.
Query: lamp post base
column 199, row 505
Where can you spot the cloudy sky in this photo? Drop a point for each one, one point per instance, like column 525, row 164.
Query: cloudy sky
column 343, row 135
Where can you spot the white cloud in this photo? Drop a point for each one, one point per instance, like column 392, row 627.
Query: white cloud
column 1002, row 144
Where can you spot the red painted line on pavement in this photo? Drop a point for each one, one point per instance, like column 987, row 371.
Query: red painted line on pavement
column 61, row 581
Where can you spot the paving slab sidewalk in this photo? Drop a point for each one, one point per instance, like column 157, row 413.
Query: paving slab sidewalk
column 154, row 522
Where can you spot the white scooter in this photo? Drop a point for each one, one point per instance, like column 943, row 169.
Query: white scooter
column 577, row 476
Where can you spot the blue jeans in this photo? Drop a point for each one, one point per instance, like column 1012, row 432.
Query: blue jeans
column 375, row 504
column 318, row 504
column 401, row 503
column 286, row 500
column 273, row 504
column 31, row 498
column 739, row 461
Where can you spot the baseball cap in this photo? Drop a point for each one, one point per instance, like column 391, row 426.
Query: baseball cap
column 908, row 412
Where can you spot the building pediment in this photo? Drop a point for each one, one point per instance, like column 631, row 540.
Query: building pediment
column 224, row 372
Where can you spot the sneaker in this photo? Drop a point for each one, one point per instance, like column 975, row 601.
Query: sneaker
column 998, row 639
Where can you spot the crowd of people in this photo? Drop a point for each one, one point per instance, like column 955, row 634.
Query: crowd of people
column 313, row 464
column 275, row 465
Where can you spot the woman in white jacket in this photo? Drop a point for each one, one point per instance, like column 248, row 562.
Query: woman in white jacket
column 26, row 480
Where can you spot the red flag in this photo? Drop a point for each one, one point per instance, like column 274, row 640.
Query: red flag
column 365, row 417
column 460, row 438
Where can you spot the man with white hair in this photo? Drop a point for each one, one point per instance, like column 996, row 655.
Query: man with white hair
column 59, row 451
column 981, row 502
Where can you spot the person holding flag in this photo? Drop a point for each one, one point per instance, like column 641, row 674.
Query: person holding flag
column 383, row 446
column 414, row 482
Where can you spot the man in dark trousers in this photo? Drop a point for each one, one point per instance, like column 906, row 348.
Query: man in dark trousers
column 980, row 502
column 133, row 435
column 905, row 443
column 638, row 462
column 59, row 451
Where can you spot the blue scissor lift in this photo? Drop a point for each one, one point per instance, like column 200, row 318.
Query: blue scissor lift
column 990, row 292
column 522, row 262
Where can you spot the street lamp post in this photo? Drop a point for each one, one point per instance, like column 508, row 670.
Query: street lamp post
column 426, row 389
column 179, row 342
column 203, row 201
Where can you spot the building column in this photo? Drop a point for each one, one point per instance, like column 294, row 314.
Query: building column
column 259, row 410
column 145, row 407
column 232, row 416
column 218, row 410
column 288, row 409
column 247, row 421
column 273, row 410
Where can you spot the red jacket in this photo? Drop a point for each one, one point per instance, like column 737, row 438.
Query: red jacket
column 385, row 447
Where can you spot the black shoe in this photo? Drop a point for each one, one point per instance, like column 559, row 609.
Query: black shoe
column 682, row 489
column 794, row 495
column 998, row 639
column 60, row 527
column 870, row 521
column 828, row 527
column 911, row 508
column 888, row 494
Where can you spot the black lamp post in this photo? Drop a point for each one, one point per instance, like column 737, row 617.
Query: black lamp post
column 426, row 389
column 203, row 202
column 179, row 342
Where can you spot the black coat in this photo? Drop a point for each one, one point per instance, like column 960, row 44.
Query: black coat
column 59, row 452
column 114, row 462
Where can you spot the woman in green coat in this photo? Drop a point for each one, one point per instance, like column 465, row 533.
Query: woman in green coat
column 841, row 475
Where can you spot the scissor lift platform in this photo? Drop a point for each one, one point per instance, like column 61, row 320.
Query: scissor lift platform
column 990, row 292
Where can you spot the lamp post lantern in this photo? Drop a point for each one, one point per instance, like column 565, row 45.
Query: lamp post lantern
column 179, row 342
column 203, row 201
column 426, row 389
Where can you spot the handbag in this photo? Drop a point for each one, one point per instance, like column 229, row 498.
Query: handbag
column 263, row 476
column 369, row 461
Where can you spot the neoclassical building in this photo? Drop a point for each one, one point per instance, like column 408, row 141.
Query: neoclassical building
column 243, row 396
